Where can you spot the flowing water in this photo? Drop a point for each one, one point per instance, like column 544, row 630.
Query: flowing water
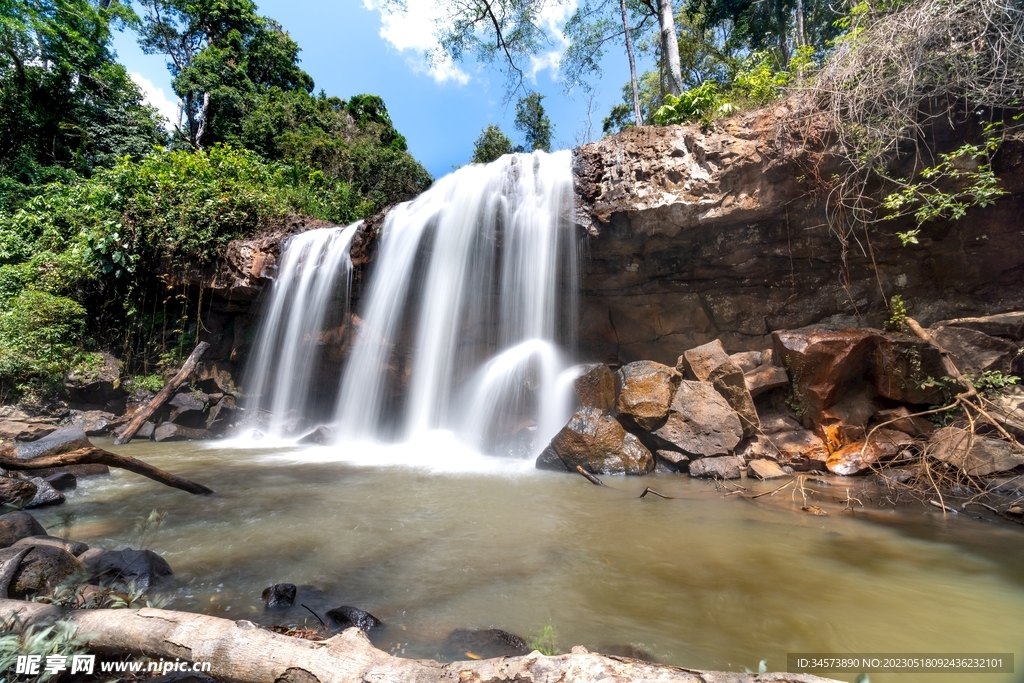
column 704, row 580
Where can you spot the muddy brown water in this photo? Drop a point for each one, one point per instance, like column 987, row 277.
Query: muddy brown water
column 705, row 580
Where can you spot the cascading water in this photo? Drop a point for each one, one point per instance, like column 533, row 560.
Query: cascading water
column 315, row 272
column 466, row 318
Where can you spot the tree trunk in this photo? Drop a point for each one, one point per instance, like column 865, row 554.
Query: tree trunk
column 93, row 455
column 241, row 652
column 670, row 46
column 140, row 417
column 632, row 65
column 801, row 37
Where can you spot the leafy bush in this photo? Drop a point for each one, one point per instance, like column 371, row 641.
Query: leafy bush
column 39, row 336
column 702, row 104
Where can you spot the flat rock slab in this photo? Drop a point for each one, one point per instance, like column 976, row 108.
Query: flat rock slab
column 765, row 469
column 700, row 421
column 721, row 467
column 978, row 456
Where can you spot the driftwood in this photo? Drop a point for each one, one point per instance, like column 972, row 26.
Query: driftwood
column 140, row 417
column 588, row 476
column 93, row 455
column 241, row 652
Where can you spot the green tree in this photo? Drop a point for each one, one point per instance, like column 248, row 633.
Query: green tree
column 64, row 101
column 533, row 122
column 492, row 144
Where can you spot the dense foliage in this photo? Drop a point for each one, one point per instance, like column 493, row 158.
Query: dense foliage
column 96, row 198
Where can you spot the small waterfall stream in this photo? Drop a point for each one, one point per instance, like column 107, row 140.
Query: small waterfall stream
column 467, row 321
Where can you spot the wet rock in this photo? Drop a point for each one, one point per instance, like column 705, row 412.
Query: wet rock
column 221, row 415
column 45, row 494
column 62, row 440
column 674, row 460
column 26, row 430
column 169, row 431
column 549, row 460
column 321, row 435
column 700, row 421
column 758, row 447
column 747, row 360
column 15, row 526
column 279, row 595
column 710, row 363
column 821, row 362
column 646, row 392
column 764, row 378
column 145, row 431
column 216, row 378
column 41, row 570
column 765, row 469
column 1007, row 325
column 347, row 617
column 978, row 456
column 721, row 467
column 974, row 352
column 17, row 492
column 630, row 651
column 95, row 422
column 143, row 568
column 76, row 548
column 79, row 471
column 773, row 422
column 859, row 456
column 485, row 643
column 188, row 409
column 598, row 443
column 595, row 388
column 801, row 449
column 62, row 481
column 913, row 426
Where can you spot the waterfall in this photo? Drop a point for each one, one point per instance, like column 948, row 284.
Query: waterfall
column 467, row 320
column 315, row 272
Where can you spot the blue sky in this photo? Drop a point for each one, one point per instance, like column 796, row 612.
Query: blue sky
column 352, row 47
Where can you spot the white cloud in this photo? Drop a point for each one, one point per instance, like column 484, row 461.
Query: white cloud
column 412, row 31
column 155, row 96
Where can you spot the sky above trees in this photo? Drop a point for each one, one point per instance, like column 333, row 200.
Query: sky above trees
column 358, row 46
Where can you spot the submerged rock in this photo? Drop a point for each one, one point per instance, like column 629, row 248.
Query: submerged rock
column 62, row 481
column 598, row 443
column 279, row 595
column 720, row 467
column 700, row 421
column 347, row 617
column 169, row 431
column 321, row 435
column 485, row 643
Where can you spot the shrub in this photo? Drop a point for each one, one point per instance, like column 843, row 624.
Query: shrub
column 39, row 335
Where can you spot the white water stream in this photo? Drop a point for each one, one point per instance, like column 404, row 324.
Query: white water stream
column 467, row 323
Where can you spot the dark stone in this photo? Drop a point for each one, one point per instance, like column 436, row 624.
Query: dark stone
column 145, row 431
column 347, row 617
column 95, row 386
column 45, row 494
column 15, row 526
column 144, row 568
column 1006, row 325
column 17, row 492
column 630, row 651
column 974, row 352
column 279, row 595
column 41, row 570
column 188, row 409
column 60, row 441
column 62, row 481
column 485, row 643
column 549, row 460
column 321, row 435
column 79, row 471
column 169, row 431
column 221, row 415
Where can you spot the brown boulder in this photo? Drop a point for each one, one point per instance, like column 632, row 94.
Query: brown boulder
column 595, row 388
column 721, row 467
column 647, row 389
column 41, row 570
column 765, row 469
column 597, row 442
column 859, row 456
column 846, row 421
column 758, row 447
column 904, row 369
column 700, row 422
column 710, row 363
column 747, row 360
column 773, row 421
column 95, row 422
column 26, row 430
column 16, row 492
column 765, row 378
column 900, row 419
column 978, row 455
column 1006, row 325
column 76, row 548
column 15, row 526
column 974, row 352
column 801, row 449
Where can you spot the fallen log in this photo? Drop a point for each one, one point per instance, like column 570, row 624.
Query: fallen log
column 91, row 455
column 241, row 652
column 140, row 416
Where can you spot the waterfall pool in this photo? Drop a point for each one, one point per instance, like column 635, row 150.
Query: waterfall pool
column 704, row 580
